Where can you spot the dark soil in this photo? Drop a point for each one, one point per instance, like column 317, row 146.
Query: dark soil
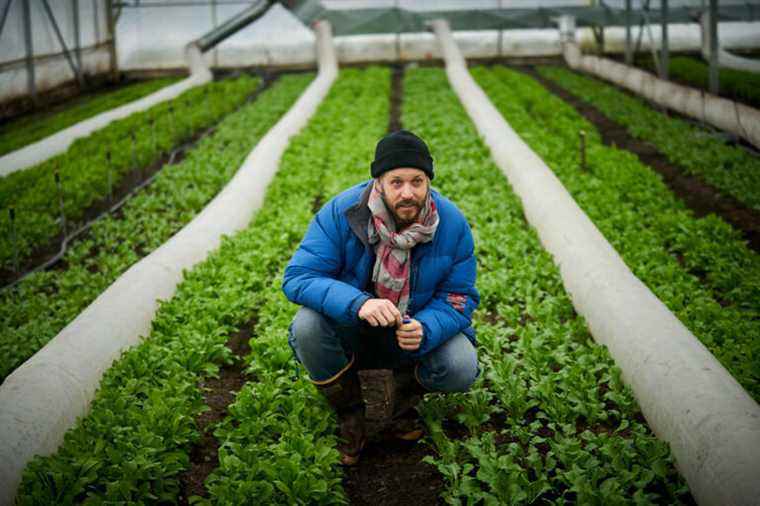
column 390, row 471
column 128, row 183
column 702, row 198
column 397, row 95
column 219, row 393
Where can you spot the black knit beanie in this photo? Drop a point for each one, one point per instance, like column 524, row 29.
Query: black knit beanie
column 401, row 149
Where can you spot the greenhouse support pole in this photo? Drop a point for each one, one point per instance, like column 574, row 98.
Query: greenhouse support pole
column 688, row 398
column 714, row 83
column 664, row 56
column 30, row 78
column 111, row 27
column 5, row 15
column 65, row 48
column 77, row 35
column 628, row 54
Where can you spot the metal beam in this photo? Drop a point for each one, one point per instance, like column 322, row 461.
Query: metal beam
column 111, row 27
column 628, row 53
column 5, row 15
column 233, row 25
column 664, row 56
column 30, row 78
column 77, row 35
column 66, row 52
column 714, row 83
column 96, row 18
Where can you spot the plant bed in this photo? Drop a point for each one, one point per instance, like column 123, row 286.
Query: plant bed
column 146, row 410
column 699, row 196
column 40, row 306
column 94, row 165
column 698, row 267
column 730, row 169
column 20, row 131
column 549, row 419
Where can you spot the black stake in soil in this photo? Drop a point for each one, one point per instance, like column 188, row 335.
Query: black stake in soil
column 60, row 202
column 153, row 134
column 171, row 121
column 12, row 213
column 189, row 118
column 583, row 149
column 135, row 165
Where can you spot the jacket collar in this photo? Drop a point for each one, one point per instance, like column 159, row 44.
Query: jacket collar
column 359, row 214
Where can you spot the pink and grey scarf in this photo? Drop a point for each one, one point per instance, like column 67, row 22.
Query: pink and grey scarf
column 393, row 249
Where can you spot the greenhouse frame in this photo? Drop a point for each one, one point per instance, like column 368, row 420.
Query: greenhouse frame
column 198, row 198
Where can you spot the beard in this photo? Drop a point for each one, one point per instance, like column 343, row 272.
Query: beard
column 411, row 209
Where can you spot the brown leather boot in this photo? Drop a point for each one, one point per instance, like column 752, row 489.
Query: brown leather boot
column 344, row 394
column 407, row 394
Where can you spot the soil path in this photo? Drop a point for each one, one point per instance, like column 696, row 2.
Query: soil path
column 700, row 197
column 219, row 393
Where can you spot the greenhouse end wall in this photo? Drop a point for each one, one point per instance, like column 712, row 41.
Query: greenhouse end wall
column 51, row 68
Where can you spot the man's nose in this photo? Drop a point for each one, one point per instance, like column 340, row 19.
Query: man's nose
column 406, row 192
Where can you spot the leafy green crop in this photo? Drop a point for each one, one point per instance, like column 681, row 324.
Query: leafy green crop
column 145, row 409
column 45, row 302
column 736, row 84
column 699, row 268
column 549, row 420
column 277, row 443
column 85, row 173
column 730, row 169
column 30, row 128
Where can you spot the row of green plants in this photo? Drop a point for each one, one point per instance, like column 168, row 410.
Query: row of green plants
column 17, row 133
column 43, row 303
column 136, row 440
column 549, row 421
column 96, row 164
column 699, row 267
column 277, row 445
column 730, row 169
column 738, row 85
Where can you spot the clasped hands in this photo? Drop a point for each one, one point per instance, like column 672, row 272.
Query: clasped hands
column 383, row 313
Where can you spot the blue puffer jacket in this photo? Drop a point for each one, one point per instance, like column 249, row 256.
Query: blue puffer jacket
column 331, row 270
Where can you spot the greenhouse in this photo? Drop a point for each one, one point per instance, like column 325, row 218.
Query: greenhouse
column 402, row 252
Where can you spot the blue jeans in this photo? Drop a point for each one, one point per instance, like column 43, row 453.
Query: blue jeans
column 326, row 348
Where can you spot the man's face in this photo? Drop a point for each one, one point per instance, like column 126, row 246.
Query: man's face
column 404, row 191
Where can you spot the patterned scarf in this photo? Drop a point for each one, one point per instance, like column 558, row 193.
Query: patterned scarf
column 393, row 249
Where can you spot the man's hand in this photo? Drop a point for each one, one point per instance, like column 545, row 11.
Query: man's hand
column 409, row 335
column 380, row 313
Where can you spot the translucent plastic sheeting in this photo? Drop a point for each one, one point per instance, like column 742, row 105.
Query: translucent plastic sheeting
column 155, row 37
column 382, row 17
column 50, row 65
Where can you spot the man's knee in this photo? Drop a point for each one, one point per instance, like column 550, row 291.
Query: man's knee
column 453, row 367
column 308, row 329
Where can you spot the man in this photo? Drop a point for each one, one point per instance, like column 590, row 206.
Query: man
column 386, row 278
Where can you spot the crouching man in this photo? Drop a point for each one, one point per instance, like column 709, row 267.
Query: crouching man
column 386, row 277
